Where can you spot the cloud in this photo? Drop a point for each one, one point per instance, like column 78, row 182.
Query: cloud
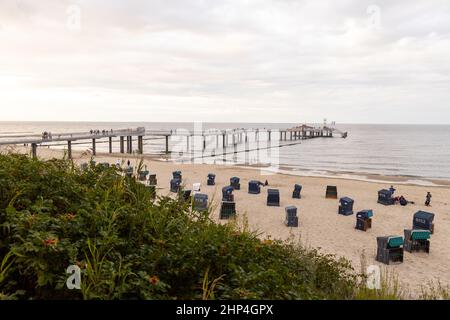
column 224, row 60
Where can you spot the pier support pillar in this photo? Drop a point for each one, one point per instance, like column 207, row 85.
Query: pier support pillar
column 167, row 144
column 122, row 144
column 110, row 145
column 223, row 141
column 34, row 150
column 140, row 144
column 94, row 147
column 69, row 149
column 131, row 145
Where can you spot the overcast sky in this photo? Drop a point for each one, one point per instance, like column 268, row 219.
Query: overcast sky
column 221, row 60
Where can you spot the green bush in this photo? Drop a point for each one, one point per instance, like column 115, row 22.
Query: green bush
column 129, row 246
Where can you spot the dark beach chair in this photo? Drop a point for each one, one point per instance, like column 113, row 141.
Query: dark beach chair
column 200, row 202
column 346, row 206
column 129, row 172
column 291, row 217
column 152, row 190
column 185, row 196
column 227, row 210
column 227, row 194
column 423, row 220
column 175, row 185
column 152, row 180
column 390, row 249
column 235, row 183
column 364, row 220
column 296, row 194
column 331, row 192
column 143, row 175
column 254, row 187
column 105, row 165
column 211, row 179
column 273, row 197
column 177, row 175
column 385, row 197
column 417, row 240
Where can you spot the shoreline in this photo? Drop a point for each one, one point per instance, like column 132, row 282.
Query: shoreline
column 310, row 173
column 407, row 180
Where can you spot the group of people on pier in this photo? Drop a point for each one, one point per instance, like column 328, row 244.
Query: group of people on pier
column 103, row 132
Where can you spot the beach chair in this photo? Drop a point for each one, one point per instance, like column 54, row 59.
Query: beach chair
column 331, row 192
column 105, row 165
column 211, row 179
column 364, row 220
column 152, row 180
column 200, row 202
column 346, row 206
column 152, row 190
column 273, row 197
column 291, row 217
column 196, row 187
column 185, row 196
column 254, row 187
column 417, row 240
column 385, row 197
column 423, row 220
column 177, row 175
column 175, row 185
column 129, row 172
column 390, row 249
column 227, row 210
column 227, row 194
column 143, row 175
column 235, row 183
column 296, row 194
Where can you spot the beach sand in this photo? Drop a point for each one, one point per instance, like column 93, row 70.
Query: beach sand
column 319, row 224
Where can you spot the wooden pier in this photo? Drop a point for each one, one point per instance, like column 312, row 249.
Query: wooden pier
column 126, row 137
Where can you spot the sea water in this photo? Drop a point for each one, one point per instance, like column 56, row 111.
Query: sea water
column 414, row 151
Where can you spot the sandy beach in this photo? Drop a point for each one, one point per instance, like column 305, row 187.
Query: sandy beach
column 319, row 224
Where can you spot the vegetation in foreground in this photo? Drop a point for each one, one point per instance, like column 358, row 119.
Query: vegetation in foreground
column 129, row 246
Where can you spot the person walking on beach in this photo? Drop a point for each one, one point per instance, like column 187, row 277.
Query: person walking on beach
column 428, row 200
column 128, row 163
